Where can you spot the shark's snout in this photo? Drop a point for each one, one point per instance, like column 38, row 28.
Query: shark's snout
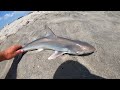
column 85, row 49
column 88, row 49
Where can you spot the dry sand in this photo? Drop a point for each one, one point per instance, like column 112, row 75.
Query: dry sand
column 99, row 28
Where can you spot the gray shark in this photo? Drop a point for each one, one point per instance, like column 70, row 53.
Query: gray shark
column 59, row 44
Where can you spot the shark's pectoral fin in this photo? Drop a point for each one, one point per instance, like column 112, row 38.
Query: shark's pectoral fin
column 55, row 55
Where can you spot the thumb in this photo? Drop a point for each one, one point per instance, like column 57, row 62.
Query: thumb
column 18, row 52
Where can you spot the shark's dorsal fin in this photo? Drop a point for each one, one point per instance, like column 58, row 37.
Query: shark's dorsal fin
column 49, row 33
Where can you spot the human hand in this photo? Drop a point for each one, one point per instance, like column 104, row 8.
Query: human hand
column 12, row 51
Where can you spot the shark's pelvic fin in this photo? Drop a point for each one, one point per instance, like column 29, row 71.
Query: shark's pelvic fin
column 55, row 55
column 49, row 33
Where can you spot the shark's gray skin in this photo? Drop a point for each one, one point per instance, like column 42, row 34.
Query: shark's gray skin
column 60, row 45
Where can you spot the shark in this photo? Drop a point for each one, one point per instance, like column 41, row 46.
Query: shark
column 59, row 45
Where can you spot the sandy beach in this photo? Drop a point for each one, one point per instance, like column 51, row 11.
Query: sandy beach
column 99, row 28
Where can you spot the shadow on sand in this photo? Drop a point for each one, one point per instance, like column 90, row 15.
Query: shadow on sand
column 12, row 73
column 67, row 70
column 73, row 70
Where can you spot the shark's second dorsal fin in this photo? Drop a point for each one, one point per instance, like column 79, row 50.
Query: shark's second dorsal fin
column 49, row 33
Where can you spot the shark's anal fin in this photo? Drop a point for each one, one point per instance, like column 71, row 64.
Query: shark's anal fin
column 49, row 33
column 55, row 55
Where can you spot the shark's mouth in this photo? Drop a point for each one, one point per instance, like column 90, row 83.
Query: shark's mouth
column 84, row 54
